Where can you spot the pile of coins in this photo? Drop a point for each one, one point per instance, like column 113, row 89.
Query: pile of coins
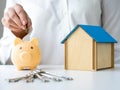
column 41, row 75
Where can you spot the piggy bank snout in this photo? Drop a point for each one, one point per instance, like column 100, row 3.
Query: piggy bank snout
column 25, row 56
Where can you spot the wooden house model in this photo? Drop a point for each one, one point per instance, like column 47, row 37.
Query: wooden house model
column 89, row 48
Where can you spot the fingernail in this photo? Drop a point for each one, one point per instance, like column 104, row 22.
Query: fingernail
column 23, row 22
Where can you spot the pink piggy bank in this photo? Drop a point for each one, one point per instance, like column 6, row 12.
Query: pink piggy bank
column 26, row 54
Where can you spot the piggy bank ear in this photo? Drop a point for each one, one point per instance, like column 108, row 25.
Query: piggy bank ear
column 34, row 41
column 17, row 41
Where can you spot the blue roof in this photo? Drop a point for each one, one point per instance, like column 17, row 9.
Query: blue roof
column 96, row 32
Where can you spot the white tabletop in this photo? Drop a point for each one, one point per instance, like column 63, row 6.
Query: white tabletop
column 108, row 79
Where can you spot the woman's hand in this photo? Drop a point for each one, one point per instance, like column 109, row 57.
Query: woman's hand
column 17, row 20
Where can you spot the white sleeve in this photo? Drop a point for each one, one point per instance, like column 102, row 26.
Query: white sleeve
column 111, row 21
column 9, row 3
column 6, row 42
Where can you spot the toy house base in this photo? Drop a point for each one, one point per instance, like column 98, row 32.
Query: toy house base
column 77, row 68
column 82, row 52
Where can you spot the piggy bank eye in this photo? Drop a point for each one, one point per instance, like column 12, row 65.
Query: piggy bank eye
column 20, row 48
column 31, row 47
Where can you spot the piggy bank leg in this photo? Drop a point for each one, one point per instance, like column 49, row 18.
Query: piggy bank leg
column 33, row 68
column 20, row 68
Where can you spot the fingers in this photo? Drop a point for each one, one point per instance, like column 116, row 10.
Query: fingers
column 16, row 17
column 8, row 23
column 21, row 14
column 11, row 14
column 24, row 18
column 17, row 20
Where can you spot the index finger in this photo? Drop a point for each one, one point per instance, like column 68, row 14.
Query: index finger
column 21, row 14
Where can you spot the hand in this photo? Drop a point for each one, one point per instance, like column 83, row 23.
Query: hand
column 17, row 20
